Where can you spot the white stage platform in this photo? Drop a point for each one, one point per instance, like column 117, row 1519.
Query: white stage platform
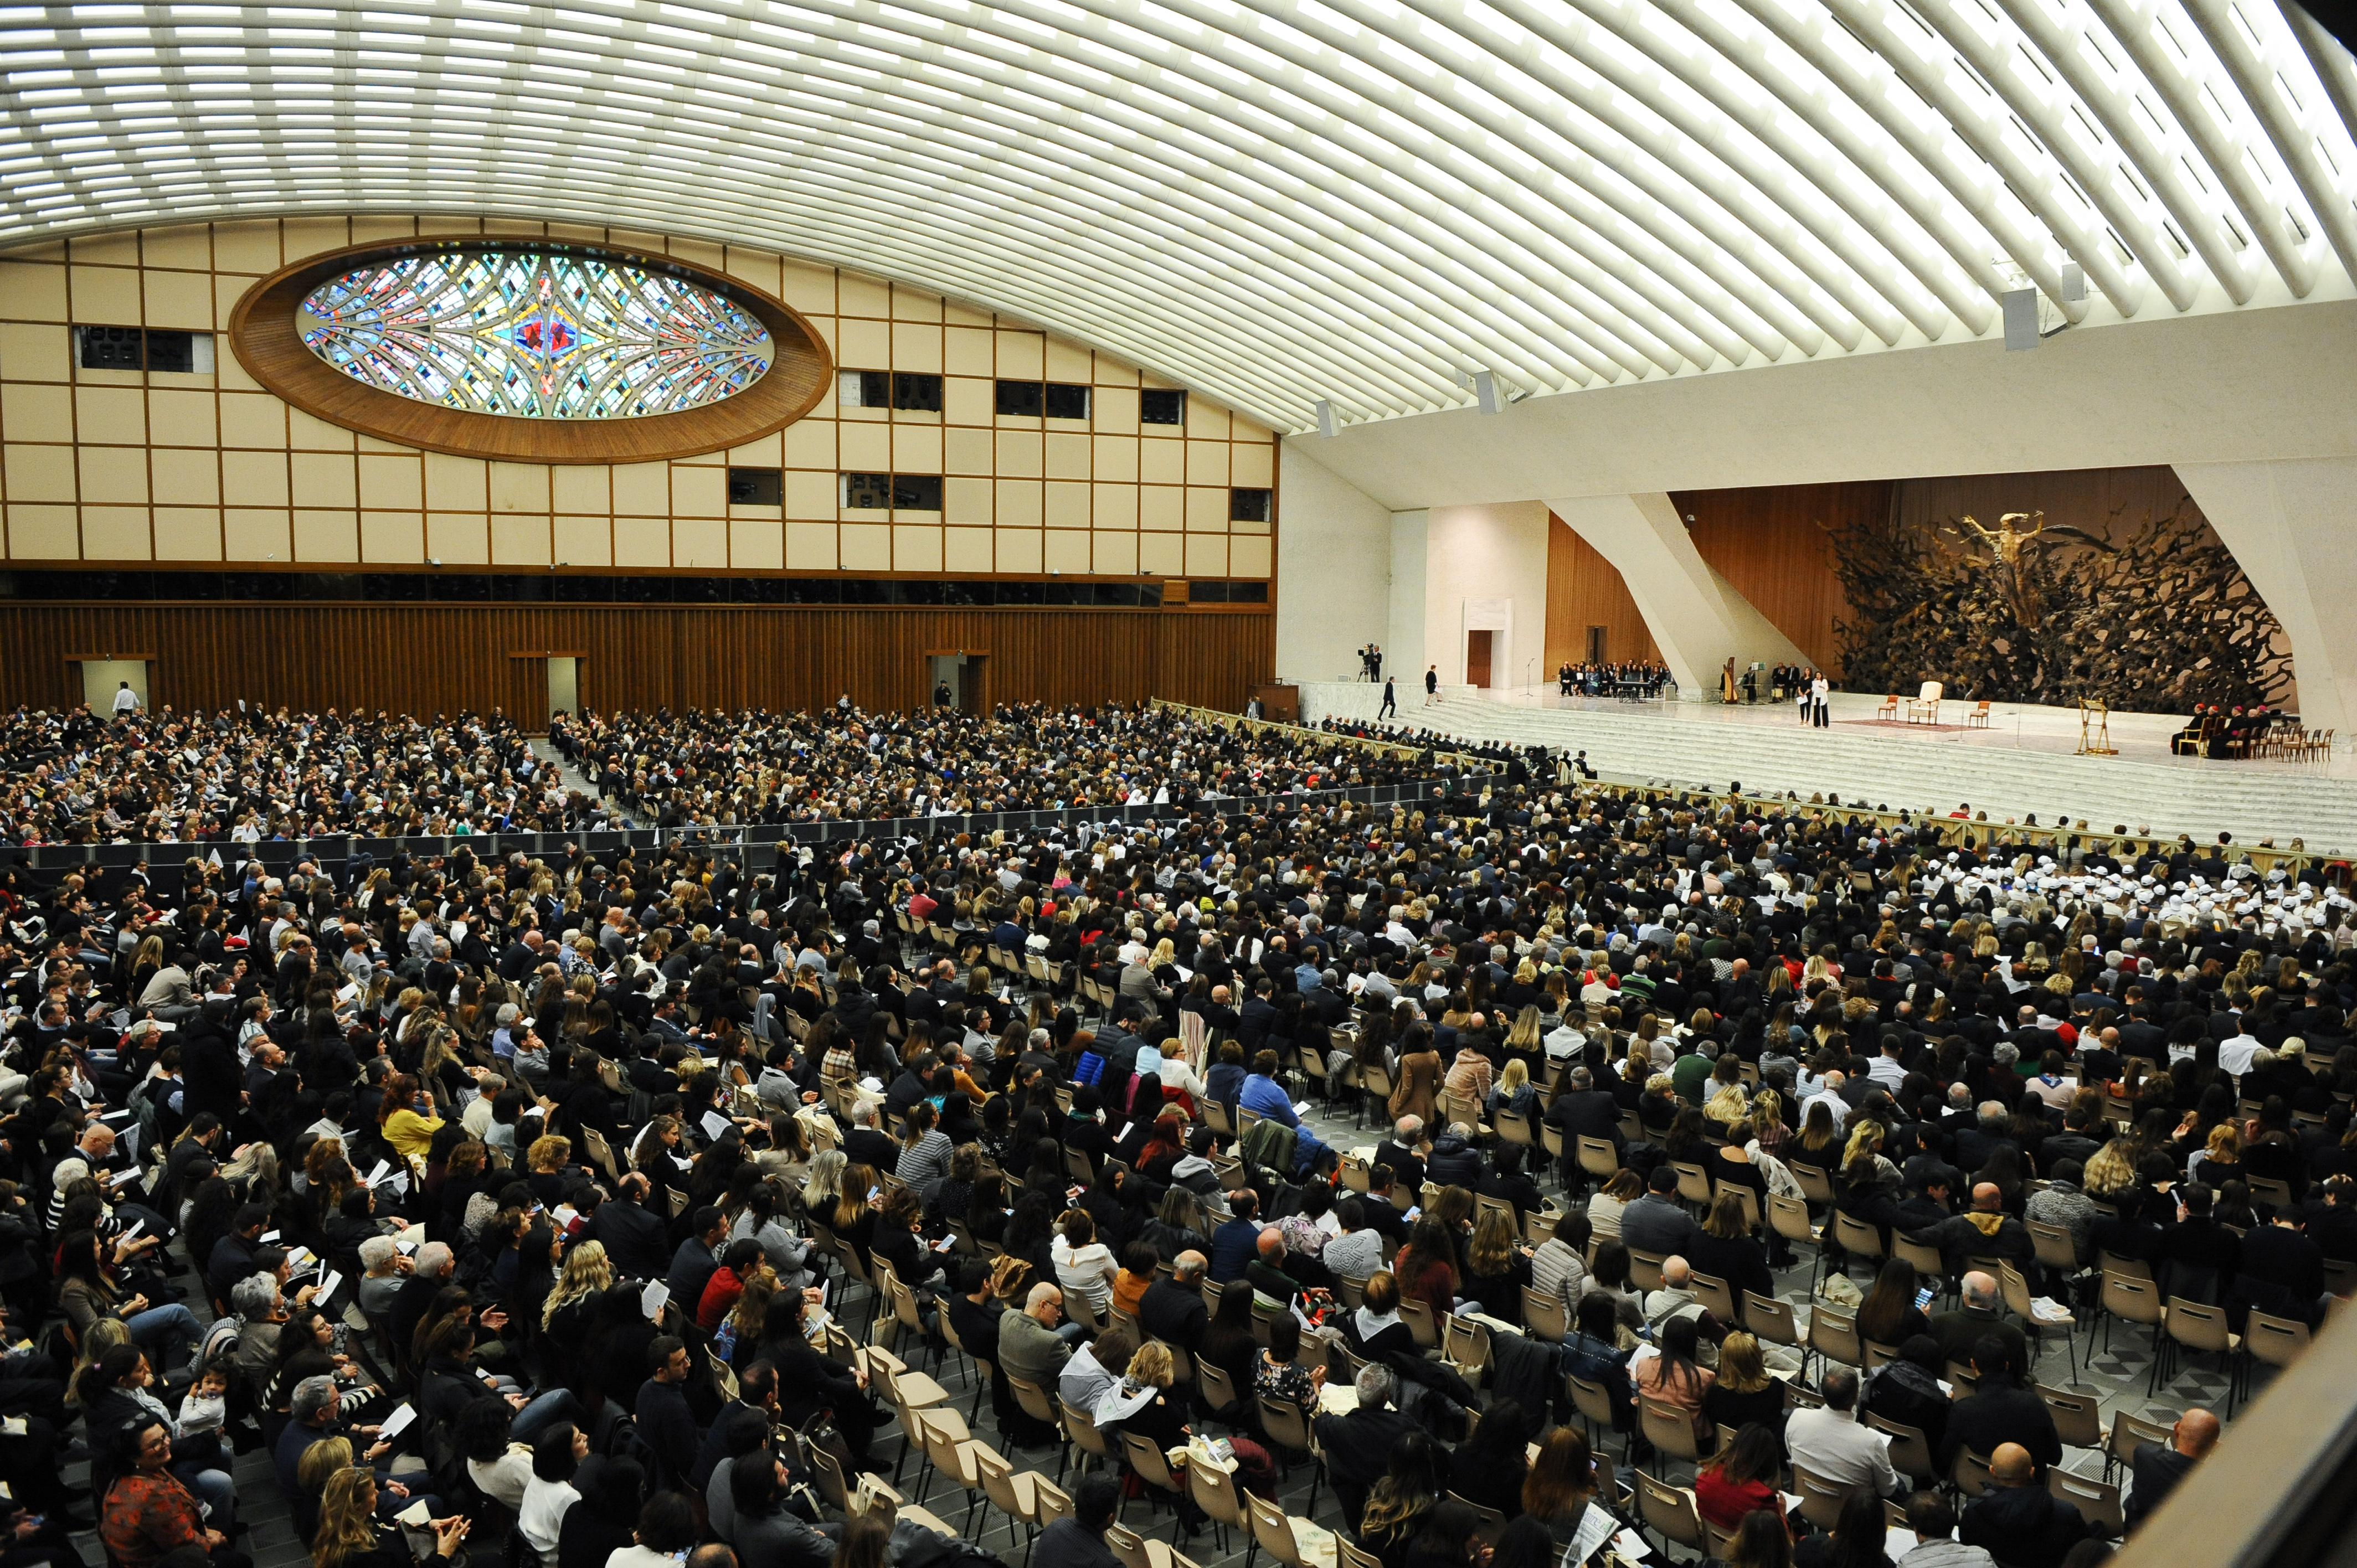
column 2022, row 762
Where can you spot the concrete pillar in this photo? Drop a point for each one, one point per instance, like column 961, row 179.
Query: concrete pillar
column 1334, row 558
column 1404, row 649
column 1697, row 618
column 2289, row 524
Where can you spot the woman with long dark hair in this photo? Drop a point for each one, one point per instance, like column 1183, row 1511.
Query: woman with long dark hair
column 1396, row 1503
column 1740, row 1478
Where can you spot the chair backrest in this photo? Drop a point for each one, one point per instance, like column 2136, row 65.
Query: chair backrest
column 1667, row 1429
column 1715, row 1298
column 1152, row 1466
column 1592, row 1401
column 1346, row 1555
column 1285, row 1423
column 2078, row 1418
column 1929, row 1264
column 1910, row 1451
column 1417, row 1315
column 1492, row 1523
column 1670, row 1511
column 2196, row 1326
column 1771, row 1319
column 1598, row 1157
column 1215, row 1493
column 1539, row 1225
column 1272, row 1529
column 2127, row 1432
column 1820, row 1499
column 1857, row 1235
column 2268, row 1190
column 2056, row 1249
column 1128, row 1547
column 1693, row 1182
column 1645, row 1269
column 2098, row 1502
column 2136, row 1300
column 1972, row 1473
column 1816, row 1183
column 2277, row 1341
column 1833, row 1335
column 1544, row 1316
column 1930, row 692
column 1081, row 1427
column 1218, row 1389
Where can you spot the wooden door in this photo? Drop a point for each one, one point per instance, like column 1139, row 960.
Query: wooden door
column 1477, row 658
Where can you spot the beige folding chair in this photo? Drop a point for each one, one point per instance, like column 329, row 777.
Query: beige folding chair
column 1217, row 1494
column 1492, row 1523
column 1910, row 1451
column 1417, row 1315
column 1857, row 1238
column 1348, row 1555
column 1599, row 1158
column 1671, row 1512
column 1670, row 1431
column 1219, row 1390
column 2129, row 1433
column 1972, row 1473
column 1789, row 1218
column 2078, row 1418
column 1286, row 1426
column 1272, row 1529
column 1821, row 1501
column 1594, row 1403
column 2098, row 1502
column 1128, row 1547
column 1771, row 1320
column 1645, row 1270
column 1716, row 1298
column 950, row 1450
column 2134, row 1301
column 1544, row 1316
column 1153, row 1468
column 1834, row 1336
column 1081, row 1428
column 1465, row 1346
column 1017, row 1497
column 2277, row 1341
column 2197, row 1328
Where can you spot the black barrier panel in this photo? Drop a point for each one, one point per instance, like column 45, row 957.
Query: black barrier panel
column 755, row 845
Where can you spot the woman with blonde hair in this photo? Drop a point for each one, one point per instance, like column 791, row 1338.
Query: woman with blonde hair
column 587, row 1272
column 1514, row 1091
column 350, row 1535
column 823, row 1188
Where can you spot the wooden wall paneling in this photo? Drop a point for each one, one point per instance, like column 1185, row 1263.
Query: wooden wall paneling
column 427, row 659
column 2091, row 498
column 1584, row 589
column 1766, row 543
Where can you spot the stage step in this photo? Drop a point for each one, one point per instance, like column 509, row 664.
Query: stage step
column 1651, row 743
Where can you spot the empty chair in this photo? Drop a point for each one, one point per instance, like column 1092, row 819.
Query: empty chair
column 2098, row 1502
column 1671, row 1512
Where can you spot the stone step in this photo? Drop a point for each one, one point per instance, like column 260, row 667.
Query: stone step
column 1646, row 743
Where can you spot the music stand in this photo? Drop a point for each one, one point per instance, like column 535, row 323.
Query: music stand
column 2096, row 729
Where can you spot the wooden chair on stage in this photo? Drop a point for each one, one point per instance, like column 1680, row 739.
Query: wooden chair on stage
column 1979, row 717
column 1926, row 707
column 1889, row 709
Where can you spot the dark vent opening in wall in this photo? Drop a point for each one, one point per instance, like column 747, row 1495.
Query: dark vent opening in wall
column 1020, row 400
column 1248, row 505
column 1162, row 405
column 757, row 486
column 1065, row 401
column 919, row 393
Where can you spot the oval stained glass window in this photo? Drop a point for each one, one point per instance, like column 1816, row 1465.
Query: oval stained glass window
column 535, row 335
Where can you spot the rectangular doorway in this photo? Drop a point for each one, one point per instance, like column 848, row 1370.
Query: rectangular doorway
column 1477, row 659
column 953, row 679
column 564, row 685
column 1596, row 645
column 103, row 681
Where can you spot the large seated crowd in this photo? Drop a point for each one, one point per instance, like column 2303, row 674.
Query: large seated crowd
column 235, row 776
column 627, row 1207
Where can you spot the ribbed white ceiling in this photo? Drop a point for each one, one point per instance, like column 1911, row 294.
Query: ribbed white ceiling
column 1278, row 202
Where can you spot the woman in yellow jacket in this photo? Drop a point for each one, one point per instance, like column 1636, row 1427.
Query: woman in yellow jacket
column 405, row 1117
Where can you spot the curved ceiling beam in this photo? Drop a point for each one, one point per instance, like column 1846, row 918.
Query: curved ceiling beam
column 1275, row 202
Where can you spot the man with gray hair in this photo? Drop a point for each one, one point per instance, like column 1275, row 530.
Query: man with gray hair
column 429, row 1271
column 1403, row 1151
column 1830, row 1442
column 1028, row 1346
column 1358, row 1444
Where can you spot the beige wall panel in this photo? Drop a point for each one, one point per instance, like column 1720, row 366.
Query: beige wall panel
column 700, row 492
column 115, row 533
column 1206, row 557
column 642, row 541
column 112, row 416
column 812, row 494
column 105, row 296
column 31, row 411
column 180, row 299
column 32, row 351
column 640, row 489
column 1020, row 550
column 858, row 295
column 519, row 539
column 1252, row 467
column 914, row 305
column 186, row 478
column 40, row 473
column 1248, row 557
column 863, row 448
column 1067, row 504
column 253, row 419
column 584, row 541
column 915, row 345
column 1161, row 506
column 811, row 546
column 113, row 475
column 458, row 538
column 1019, row 453
column 246, row 247
column 188, row 533
column 1068, row 549
column 457, row 484
column 43, row 533
column 917, row 449
column 756, row 545
column 519, row 486
column 1162, row 554
column 966, row 550
column 916, row 547
column 182, row 418
column 863, row 345
column 808, row 443
column 1161, row 462
column 256, row 533
column 1019, row 503
column 581, row 487
column 393, row 538
column 1206, row 462
column 968, row 352
column 866, row 546
column 1021, row 355
column 699, row 541
column 190, row 248
column 1115, row 551
column 323, row 480
column 251, row 479
column 33, row 291
column 326, row 535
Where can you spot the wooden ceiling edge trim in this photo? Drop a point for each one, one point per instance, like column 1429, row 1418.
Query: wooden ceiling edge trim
column 262, row 335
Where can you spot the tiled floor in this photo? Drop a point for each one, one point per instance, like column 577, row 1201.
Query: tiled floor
column 2119, row 1374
